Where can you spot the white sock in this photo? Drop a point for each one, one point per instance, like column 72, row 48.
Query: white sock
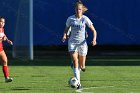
column 77, row 73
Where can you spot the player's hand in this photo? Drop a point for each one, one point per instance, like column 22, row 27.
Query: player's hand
column 9, row 41
column 64, row 38
column 94, row 42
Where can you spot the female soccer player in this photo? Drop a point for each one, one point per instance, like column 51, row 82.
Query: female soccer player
column 3, row 57
column 77, row 45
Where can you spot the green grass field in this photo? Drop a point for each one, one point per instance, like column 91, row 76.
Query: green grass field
column 32, row 78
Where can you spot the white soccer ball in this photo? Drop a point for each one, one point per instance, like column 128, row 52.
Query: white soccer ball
column 73, row 82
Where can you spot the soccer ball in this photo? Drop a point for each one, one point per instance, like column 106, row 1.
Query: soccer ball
column 73, row 82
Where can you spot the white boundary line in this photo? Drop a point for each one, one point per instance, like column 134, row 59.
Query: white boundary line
column 81, row 90
column 114, row 60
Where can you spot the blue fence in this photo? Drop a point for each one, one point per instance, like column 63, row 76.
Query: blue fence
column 116, row 21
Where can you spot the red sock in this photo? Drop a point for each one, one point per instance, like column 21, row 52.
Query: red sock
column 5, row 71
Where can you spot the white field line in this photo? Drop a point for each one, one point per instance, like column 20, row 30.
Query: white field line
column 81, row 90
column 138, row 60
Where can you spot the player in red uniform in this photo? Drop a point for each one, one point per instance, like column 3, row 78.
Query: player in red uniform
column 3, row 57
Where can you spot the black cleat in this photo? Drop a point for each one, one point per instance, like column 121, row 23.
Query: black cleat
column 7, row 80
column 83, row 69
column 79, row 86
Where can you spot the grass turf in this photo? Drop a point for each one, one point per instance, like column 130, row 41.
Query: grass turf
column 53, row 79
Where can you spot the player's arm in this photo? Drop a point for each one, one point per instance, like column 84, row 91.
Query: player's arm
column 94, row 35
column 65, row 34
column 6, row 39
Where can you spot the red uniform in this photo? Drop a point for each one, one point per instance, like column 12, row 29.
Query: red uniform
column 1, row 36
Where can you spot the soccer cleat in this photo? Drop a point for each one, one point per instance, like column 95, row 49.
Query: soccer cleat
column 79, row 86
column 83, row 69
column 7, row 80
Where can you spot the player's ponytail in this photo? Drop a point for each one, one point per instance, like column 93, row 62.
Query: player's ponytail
column 84, row 9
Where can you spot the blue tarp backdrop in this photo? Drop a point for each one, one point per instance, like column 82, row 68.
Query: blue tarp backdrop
column 116, row 21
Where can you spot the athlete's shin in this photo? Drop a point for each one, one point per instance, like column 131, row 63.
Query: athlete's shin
column 77, row 74
column 5, row 71
column 82, row 61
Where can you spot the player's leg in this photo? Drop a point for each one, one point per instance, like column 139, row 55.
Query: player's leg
column 82, row 55
column 74, row 57
column 4, row 62
column 82, row 61
column 72, row 47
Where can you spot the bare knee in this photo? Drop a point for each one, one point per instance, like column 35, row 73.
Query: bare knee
column 3, row 58
column 4, row 63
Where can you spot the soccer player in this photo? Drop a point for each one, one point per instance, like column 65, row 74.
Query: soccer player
column 3, row 57
column 77, row 45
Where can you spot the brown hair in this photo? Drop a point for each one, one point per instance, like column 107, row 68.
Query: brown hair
column 80, row 3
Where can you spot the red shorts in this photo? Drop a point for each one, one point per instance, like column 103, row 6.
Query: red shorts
column 1, row 47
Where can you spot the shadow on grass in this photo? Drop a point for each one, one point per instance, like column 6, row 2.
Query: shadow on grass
column 21, row 88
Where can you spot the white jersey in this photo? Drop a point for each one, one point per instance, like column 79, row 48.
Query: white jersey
column 1, row 35
column 78, row 26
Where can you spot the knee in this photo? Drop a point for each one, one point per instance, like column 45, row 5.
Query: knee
column 4, row 63
column 75, row 61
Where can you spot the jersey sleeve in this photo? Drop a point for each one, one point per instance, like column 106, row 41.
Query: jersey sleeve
column 88, row 22
column 68, row 22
